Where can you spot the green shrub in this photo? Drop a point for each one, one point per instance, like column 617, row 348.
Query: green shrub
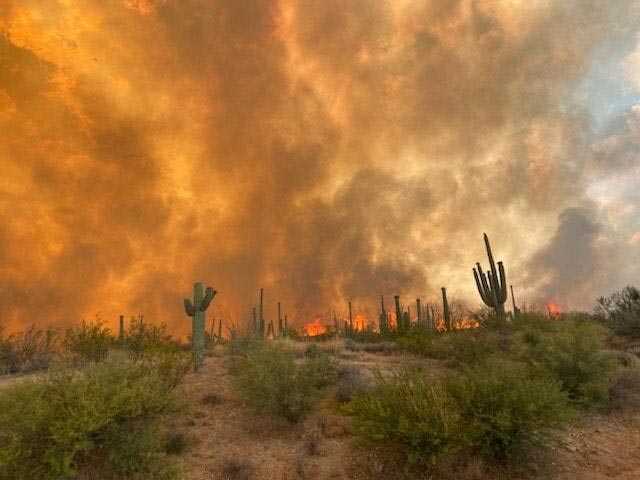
column 27, row 351
column 621, row 311
column 107, row 414
column 467, row 347
column 570, row 352
column 499, row 409
column 143, row 338
column 269, row 379
column 506, row 408
column 411, row 417
column 243, row 345
column 89, row 342
column 419, row 342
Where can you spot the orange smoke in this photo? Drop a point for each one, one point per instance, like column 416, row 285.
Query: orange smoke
column 148, row 144
column 314, row 328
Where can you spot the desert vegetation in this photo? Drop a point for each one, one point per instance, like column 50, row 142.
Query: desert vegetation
column 90, row 402
column 418, row 396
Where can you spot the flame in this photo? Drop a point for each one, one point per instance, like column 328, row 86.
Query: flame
column 465, row 324
column 553, row 309
column 361, row 321
column 314, row 328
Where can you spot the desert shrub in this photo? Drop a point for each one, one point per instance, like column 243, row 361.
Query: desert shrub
column 243, row 345
column 506, row 408
column 144, row 338
column 351, row 380
column 27, row 351
column 410, row 417
column 625, row 390
column 467, row 347
column 570, row 352
column 621, row 311
column 416, row 341
column 106, row 415
column 499, row 409
column 175, row 441
column 269, row 379
column 89, row 342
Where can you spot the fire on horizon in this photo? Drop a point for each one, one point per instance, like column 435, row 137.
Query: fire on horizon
column 328, row 151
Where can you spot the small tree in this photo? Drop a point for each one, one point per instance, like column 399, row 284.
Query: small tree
column 621, row 311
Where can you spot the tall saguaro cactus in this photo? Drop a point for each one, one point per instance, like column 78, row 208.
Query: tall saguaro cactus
column 261, row 319
column 384, row 322
column 121, row 331
column 492, row 286
column 445, row 310
column 396, row 300
column 201, row 301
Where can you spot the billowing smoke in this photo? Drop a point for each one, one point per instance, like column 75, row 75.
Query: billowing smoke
column 325, row 150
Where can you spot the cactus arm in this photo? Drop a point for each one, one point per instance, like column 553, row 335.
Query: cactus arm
column 502, row 291
column 493, row 287
column 189, row 308
column 485, row 283
column 488, row 292
column 208, row 296
column 481, row 290
column 489, row 253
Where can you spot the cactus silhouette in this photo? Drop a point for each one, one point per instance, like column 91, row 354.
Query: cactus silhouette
column 399, row 325
column 261, row 318
column 121, row 332
column 492, row 286
column 384, row 321
column 445, row 310
column 201, row 301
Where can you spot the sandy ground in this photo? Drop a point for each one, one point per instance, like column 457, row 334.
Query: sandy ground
column 229, row 441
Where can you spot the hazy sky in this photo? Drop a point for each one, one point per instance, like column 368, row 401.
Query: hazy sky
column 326, row 150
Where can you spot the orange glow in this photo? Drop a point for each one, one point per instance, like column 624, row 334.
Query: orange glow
column 466, row 324
column 314, row 328
column 360, row 322
column 149, row 144
column 553, row 309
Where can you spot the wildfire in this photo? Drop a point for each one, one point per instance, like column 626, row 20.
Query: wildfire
column 314, row 328
column 360, row 321
column 553, row 309
column 466, row 324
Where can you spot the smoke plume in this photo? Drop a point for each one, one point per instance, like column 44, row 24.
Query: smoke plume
column 324, row 150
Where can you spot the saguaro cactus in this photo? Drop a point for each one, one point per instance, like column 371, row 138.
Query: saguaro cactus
column 254, row 321
column 201, row 301
column 445, row 310
column 396, row 300
column 516, row 310
column 492, row 286
column 261, row 318
column 384, row 323
column 121, row 331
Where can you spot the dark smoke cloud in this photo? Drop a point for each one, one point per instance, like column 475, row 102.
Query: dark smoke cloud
column 566, row 267
column 326, row 150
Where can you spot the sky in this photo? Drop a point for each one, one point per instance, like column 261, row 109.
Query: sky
column 327, row 151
